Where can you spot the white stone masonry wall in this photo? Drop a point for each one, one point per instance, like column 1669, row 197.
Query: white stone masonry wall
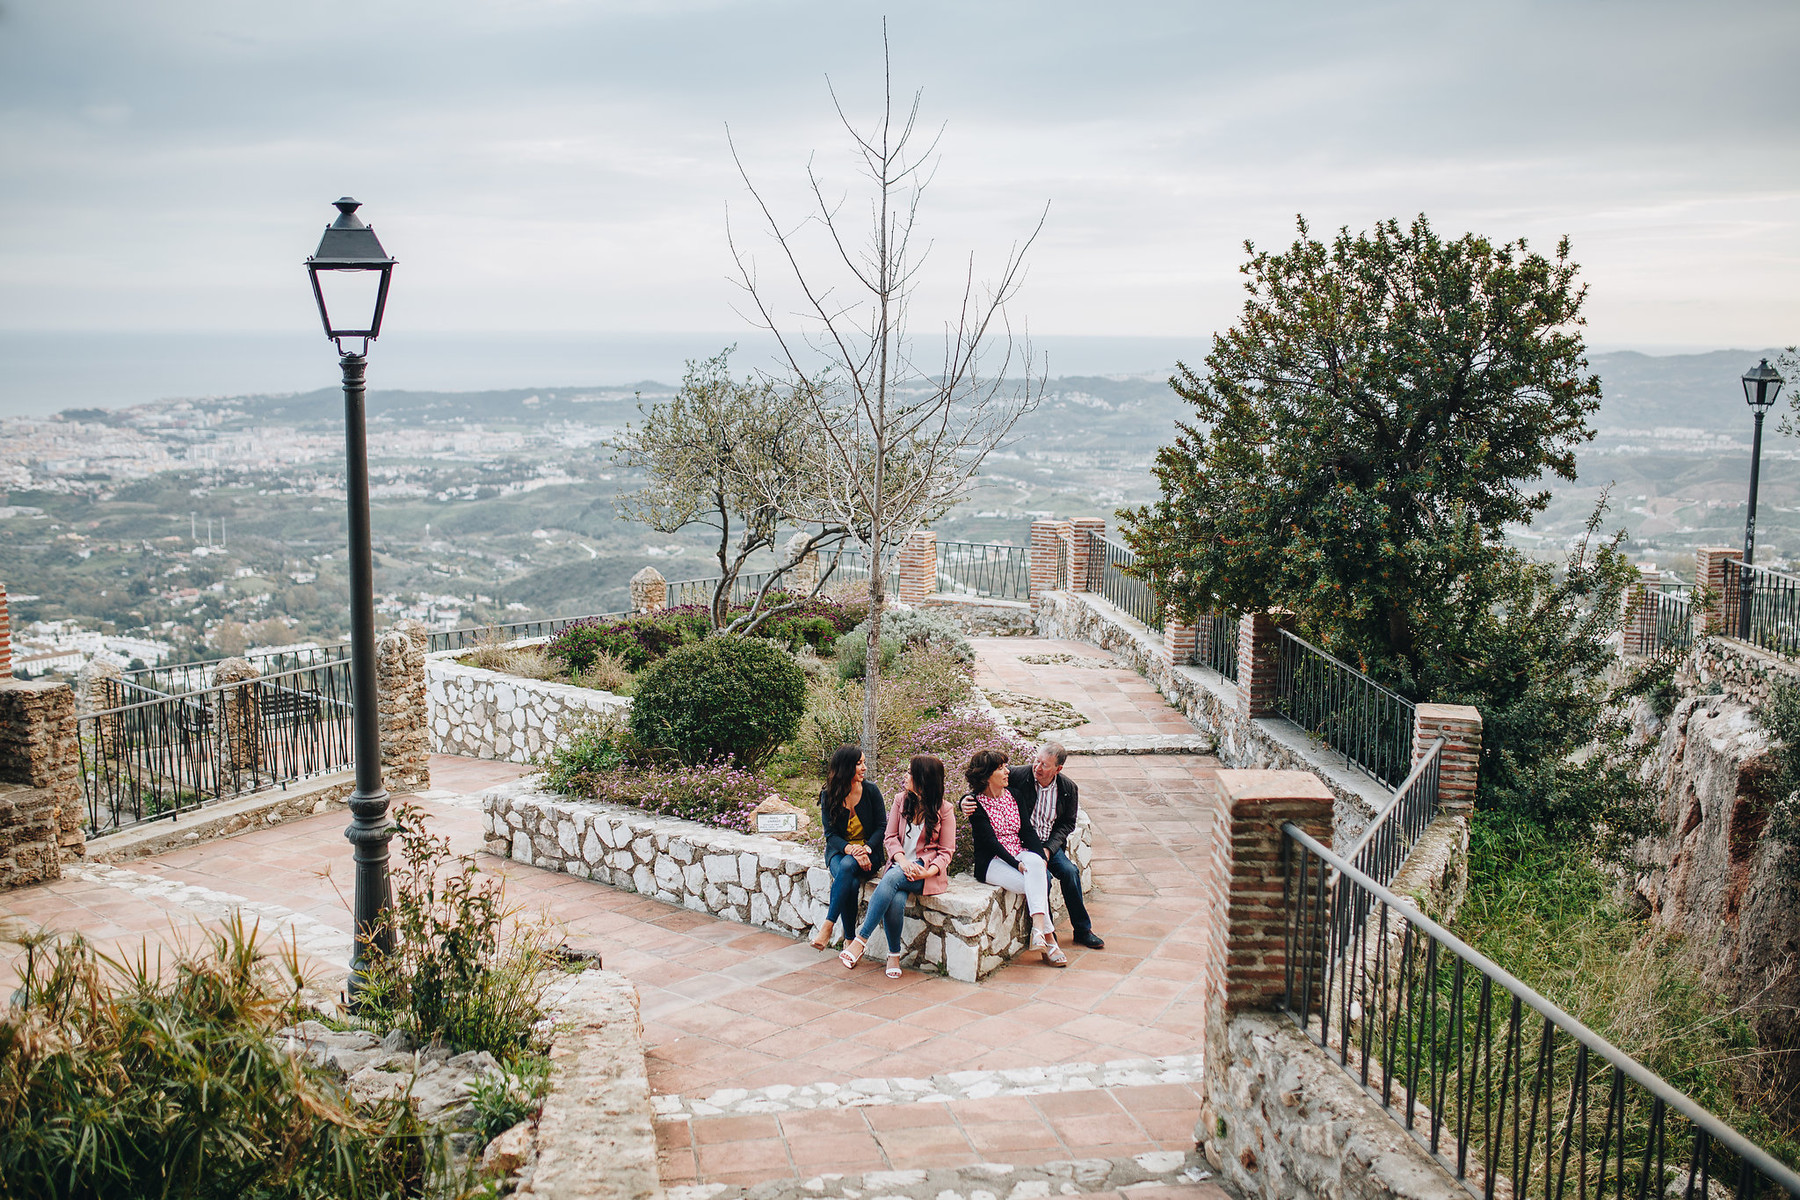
column 489, row 714
column 968, row 932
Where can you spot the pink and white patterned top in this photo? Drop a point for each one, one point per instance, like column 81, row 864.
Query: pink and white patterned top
column 1003, row 814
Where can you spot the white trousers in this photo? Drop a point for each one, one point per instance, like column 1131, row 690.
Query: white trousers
column 1033, row 882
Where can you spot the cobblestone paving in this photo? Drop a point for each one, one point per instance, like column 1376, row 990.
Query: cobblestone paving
column 735, row 1013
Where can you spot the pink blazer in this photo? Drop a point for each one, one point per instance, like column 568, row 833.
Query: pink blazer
column 935, row 853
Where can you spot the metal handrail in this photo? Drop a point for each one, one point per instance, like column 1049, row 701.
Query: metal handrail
column 987, row 569
column 1323, row 952
column 1129, row 593
column 1762, row 606
column 1370, row 725
column 1428, row 762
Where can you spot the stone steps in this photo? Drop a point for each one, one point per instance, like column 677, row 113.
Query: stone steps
column 1146, row 1173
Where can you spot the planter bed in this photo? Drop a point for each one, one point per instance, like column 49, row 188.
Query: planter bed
column 479, row 713
column 967, row 932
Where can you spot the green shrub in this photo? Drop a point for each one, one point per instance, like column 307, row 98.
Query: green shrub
column 461, row 971
column 502, row 1099
column 912, row 628
column 595, row 744
column 725, row 697
column 715, row 793
column 917, row 686
column 853, row 654
column 636, row 641
column 126, row 1079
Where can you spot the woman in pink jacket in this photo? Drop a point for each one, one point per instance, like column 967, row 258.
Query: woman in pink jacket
column 921, row 837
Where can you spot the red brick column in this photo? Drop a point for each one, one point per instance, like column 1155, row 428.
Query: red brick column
column 918, row 566
column 1259, row 659
column 5, row 637
column 1640, row 621
column 1459, row 767
column 1049, row 566
column 1709, row 572
column 1087, row 554
column 1247, row 935
column 1179, row 641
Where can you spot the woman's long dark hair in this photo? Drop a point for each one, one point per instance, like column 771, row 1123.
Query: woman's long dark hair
column 841, row 772
column 926, row 795
column 982, row 768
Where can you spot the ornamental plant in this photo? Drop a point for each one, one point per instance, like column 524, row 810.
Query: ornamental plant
column 724, row 697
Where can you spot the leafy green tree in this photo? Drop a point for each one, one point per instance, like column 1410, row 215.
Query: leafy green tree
column 1382, row 409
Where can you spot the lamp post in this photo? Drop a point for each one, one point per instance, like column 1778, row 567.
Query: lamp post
column 1761, row 385
column 350, row 274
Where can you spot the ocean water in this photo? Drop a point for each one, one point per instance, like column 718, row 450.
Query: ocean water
column 43, row 373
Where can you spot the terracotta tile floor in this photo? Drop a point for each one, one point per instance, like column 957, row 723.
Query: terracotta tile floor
column 725, row 1005
column 1116, row 701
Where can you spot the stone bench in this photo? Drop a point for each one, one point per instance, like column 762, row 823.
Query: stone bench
column 967, row 932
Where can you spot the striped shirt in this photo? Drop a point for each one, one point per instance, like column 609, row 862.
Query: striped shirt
column 1044, row 815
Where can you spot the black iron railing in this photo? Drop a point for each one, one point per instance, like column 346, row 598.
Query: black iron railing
column 1129, row 593
column 509, row 631
column 1216, row 644
column 1351, row 713
column 984, row 569
column 1762, row 607
column 1511, row 1094
column 160, row 755
column 196, row 676
column 1668, row 616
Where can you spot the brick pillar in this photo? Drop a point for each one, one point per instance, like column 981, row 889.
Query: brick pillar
column 401, row 699
column 41, row 815
column 918, row 566
column 1087, row 553
column 5, row 637
column 1460, row 765
column 240, row 711
column 1048, row 558
column 1259, row 661
column 1179, row 641
column 649, row 591
column 1709, row 572
column 1247, row 935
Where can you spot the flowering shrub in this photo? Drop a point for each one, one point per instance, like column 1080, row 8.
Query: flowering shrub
column 721, row 793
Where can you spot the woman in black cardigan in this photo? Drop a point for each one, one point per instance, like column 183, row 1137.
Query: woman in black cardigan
column 855, row 821
column 1008, row 853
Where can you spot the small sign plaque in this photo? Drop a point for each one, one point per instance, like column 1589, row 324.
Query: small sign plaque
column 777, row 822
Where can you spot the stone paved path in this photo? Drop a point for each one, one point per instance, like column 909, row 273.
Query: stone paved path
column 1116, row 700
column 768, row 1057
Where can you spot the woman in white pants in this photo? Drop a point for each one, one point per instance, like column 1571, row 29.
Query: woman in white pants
column 1008, row 853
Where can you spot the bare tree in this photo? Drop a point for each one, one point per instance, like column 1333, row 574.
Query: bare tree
column 898, row 439
column 730, row 455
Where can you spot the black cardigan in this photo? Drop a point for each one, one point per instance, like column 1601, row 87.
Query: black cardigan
column 1022, row 783
column 870, row 811
column 987, row 846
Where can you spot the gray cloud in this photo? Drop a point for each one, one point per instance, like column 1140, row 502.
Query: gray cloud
column 562, row 165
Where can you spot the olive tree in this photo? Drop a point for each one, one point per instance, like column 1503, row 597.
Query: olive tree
column 730, row 455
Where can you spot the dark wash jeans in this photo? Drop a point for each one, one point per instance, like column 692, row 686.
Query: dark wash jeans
column 1066, row 873
column 888, row 905
column 846, row 881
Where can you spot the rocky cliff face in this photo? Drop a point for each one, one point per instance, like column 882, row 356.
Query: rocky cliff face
column 1714, row 876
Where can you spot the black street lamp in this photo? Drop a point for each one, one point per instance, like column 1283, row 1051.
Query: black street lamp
column 1761, row 385
column 350, row 276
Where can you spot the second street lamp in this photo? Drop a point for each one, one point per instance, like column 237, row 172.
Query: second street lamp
column 350, row 274
column 1761, row 385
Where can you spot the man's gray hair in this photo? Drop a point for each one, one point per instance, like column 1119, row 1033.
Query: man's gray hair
column 1053, row 750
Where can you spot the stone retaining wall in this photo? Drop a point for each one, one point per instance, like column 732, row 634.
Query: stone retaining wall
column 595, row 1139
column 968, row 932
column 1210, row 701
column 1726, row 666
column 488, row 714
column 981, row 617
column 1282, row 1121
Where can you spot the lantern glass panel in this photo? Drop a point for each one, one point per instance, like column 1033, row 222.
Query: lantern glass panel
column 349, row 298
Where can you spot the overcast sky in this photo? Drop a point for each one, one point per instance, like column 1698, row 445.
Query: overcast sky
column 563, row 164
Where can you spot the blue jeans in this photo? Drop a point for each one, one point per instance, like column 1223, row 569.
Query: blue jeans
column 1069, row 875
column 846, row 881
column 888, row 905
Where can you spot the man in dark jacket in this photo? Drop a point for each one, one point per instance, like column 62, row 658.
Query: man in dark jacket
column 1049, row 800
